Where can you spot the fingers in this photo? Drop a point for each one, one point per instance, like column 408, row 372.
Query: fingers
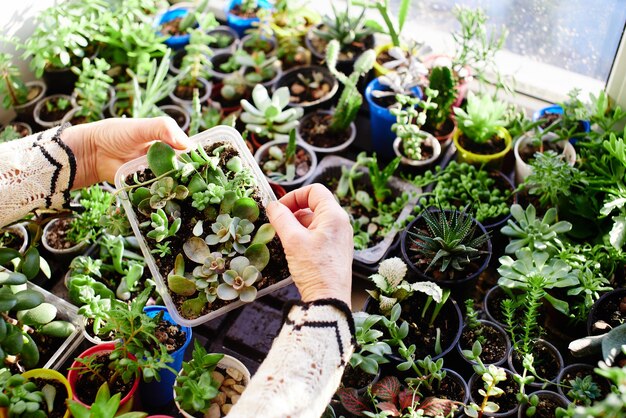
column 309, row 197
column 164, row 128
column 305, row 217
column 285, row 223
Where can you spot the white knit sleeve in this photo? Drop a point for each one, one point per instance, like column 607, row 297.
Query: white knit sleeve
column 304, row 366
column 35, row 172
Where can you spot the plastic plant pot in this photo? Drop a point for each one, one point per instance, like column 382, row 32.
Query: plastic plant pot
column 220, row 134
column 69, row 117
column 490, row 161
column 25, row 112
column 188, row 103
column 126, row 403
column 523, row 170
column 556, row 355
column 502, row 334
column 39, row 108
column 263, row 150
column 177, row 41
column 19, row 126
column 595, row 314
column 225, row 30
column 241, row 24
column 47, row 374
column 18, row 229
column 226, row 362
column 346, row 66
column 381, row 121
column 331, row 150
column 176, row 111
column 476, row 380
column 66, row 252
column 556, row 109
column 425, row 163
column 458, row 286
column 585, row 369
column 560, row 401
column 378, row 68
column 289, row 77
column 464, row 76
column 155, row 393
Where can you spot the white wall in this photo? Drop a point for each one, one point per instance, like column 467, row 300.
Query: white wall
column 17, row 19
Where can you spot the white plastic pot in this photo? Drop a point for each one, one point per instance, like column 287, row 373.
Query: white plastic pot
column 331, row 150
column 263, row 150
column 428, row 140
column 523, row 170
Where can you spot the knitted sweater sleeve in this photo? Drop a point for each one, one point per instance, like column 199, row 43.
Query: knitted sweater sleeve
column 304, row 366
column 35, row 172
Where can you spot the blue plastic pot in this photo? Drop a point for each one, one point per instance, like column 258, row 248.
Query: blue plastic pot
column 178, row 41
column 239, row 24
column 381, row 121
column 557, row 109
column 155, row 393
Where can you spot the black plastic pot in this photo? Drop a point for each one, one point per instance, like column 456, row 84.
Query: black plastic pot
column 454, row 327
column 476, row 380
column 291, row 76
column 362, row 390
column 597, row 310
column 225, row 30
column 556, row 356
column 502, row 335
column 459, row 287
column 179, row 114
column 216, row 61
column 59, row 80
column 586, row 370
column 557, row 399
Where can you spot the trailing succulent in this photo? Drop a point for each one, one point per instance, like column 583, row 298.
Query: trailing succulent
column 227, row 252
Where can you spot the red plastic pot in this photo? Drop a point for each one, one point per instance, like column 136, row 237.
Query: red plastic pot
column 126, row 403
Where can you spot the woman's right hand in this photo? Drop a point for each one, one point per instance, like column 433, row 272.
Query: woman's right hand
column 317, row 237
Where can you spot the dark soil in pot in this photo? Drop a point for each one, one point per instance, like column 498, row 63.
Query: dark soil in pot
column 276, row 271
column 304, row 95
column 546, row 362
column 444, row 132
column 59, row 407
column 238, row 11
column 348, row 52
column 177, row 115
column 611, row 310
column 494, row 345
column 177, row 58
column 170, row 335
column 302, row 160
column 427, row 152
column 60, row 80
column 422, row 333
column 449, row 388
column 356, row 378
column 110, row 336
column 57, row 234
column 507, row 401
column 547, row 406
column 315, row 131
column 548, row 119
column 492, row 146
column 87, row 384
column 186, row 92
column 227, row 105
column 385, row 101
column 218, row 60
column 11, row 239
column 383, row 57
column 528, row 151
column 222, row 33
column 172, row 28
column 54, row 112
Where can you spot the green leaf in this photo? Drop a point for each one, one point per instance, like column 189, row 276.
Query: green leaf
column 258, row 255
column 161, row 158
column 405, row 6
column 8, row 254
column 27, row 299
column 246, row 208
column 30, row 263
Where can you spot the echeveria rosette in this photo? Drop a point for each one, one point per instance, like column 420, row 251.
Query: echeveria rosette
column 239, row 281
column 212, row 266
column 221, row 230
column 240, row 230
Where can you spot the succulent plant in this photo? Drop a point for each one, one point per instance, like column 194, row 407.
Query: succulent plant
column 240, row 230
column 221, row 230
column 343, row 27
column 213, row 195
column 164, row 190
column 533, row 232
column 392, row 288
column 268, row 117
column 482, row 119
column 161, row 228
column 452, row 240
column 238, row 281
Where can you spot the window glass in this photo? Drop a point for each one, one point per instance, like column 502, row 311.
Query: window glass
column 580, row 36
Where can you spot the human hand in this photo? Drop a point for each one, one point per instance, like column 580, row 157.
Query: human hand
column 100, row 148
column 317, row 237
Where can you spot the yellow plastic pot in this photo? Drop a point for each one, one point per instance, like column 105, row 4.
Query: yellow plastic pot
column 379, row 69
column 48, row 374
column 489, row 161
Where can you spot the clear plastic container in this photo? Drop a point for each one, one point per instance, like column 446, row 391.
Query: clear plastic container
column 222, row 134
column 373, row 254
column 65, row 312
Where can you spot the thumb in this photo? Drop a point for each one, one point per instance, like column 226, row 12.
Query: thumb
column 167, row 130
column 284, row 222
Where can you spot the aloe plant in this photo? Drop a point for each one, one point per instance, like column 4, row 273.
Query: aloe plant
column 268, row 116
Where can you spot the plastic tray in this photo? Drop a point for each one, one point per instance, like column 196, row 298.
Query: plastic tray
column 218, row 134
column 66, row 312
column 373, row 254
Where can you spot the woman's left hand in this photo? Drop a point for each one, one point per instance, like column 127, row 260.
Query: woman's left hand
column 100, row 148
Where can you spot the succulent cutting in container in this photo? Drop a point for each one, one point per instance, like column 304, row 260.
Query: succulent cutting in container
column 206, row 207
